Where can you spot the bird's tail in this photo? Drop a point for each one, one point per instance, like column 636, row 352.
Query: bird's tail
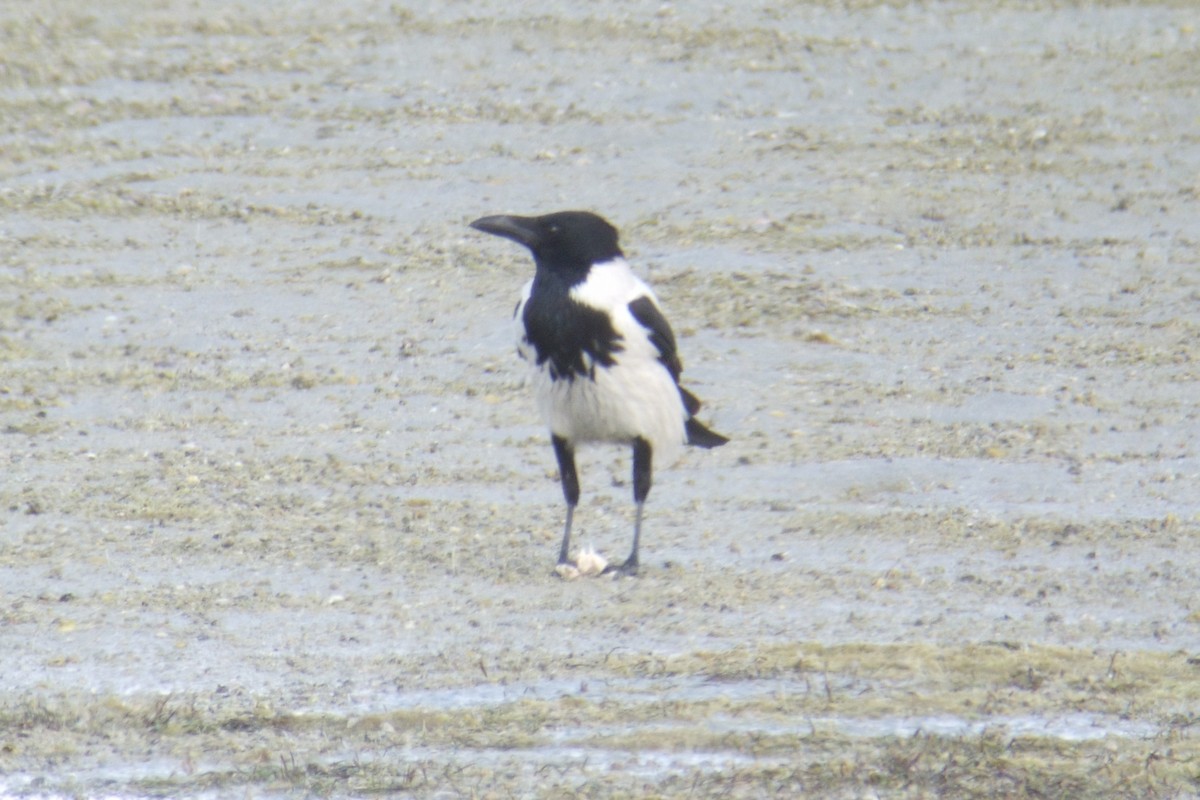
column 700, row 436
column 697, row 434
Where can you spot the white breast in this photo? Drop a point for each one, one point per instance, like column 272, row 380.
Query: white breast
column 635, row 397
column 631, row 399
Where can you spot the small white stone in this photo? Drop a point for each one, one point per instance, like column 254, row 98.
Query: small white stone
column 590, row 562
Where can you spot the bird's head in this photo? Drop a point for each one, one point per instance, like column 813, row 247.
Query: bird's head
column 565, row 241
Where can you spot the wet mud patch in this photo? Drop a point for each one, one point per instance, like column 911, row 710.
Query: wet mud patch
column 787, row 718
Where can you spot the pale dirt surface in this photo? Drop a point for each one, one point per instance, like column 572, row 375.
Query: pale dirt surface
column 279, row 519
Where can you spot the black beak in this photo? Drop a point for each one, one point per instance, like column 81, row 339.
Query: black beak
column 522, row 230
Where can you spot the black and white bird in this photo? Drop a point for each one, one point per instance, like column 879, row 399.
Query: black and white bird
column 605, row 363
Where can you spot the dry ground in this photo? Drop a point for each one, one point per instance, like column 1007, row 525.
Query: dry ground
column 279, row 519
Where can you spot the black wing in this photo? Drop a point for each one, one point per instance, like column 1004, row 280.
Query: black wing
column 648, row 315
column 646, row 312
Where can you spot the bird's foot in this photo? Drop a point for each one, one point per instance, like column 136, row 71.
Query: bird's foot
column 566, row 570
column 628, row 569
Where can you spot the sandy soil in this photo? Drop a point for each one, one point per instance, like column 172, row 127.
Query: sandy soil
column 279, row 518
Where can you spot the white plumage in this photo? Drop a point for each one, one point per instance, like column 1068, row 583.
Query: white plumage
column 604, row 358
column 636, row 397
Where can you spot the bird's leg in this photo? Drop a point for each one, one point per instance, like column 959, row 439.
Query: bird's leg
column 570, row 485
column 642, row 460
